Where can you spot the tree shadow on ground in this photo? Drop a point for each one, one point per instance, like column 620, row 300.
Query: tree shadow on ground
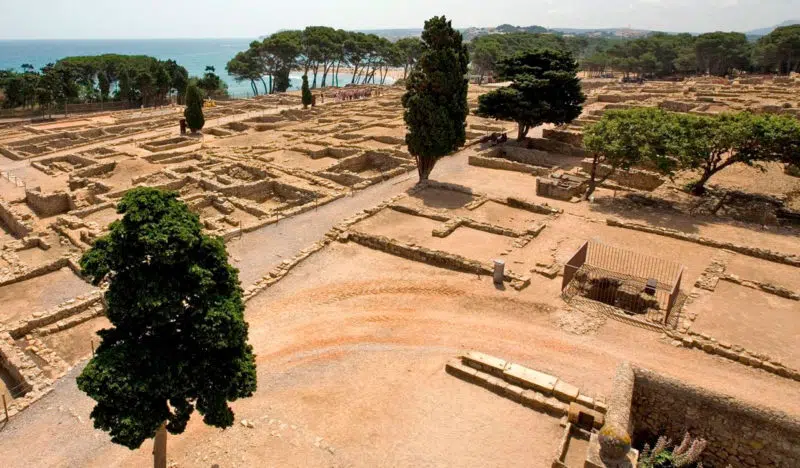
column 435, row 197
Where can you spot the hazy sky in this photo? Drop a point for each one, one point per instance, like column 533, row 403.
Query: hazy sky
column 80, row 19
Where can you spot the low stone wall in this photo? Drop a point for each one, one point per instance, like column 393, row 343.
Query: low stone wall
column 533, row 207
column 512, row 152
column 738, row 434
column 506, row 165
column 634, row 178
column 36, row 272
column 757, row 252
column 733, row 352
column 677, row 106
column 432, row 257
column 56, row 315
column 94, row 170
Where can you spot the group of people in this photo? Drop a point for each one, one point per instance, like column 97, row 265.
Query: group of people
column 495, row 138
column 352, row 94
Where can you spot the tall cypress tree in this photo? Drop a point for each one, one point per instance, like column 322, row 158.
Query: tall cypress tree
column 179, row 338
column 307, row 98
column 194, row 108
column 436, row 96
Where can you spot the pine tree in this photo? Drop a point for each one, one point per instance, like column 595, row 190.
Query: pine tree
column 436, row 96
column 545, row 89
column 194, row 108
column 307, row 98
column 179, row 338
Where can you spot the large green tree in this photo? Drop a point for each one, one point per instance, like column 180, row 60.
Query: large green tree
column 720, row 53
column 179, row 338
column 626, row 138
column 409, row 49
column 545, row 89
column 779, row 50
column 435, row 101
column 712, row 143
column 194, row 108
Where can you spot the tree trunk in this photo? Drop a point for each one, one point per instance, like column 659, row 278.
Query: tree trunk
column 699, row 187
column 405, row 71
column 424, row 167
column 266, row 91
column 590, row 188
column 160, row 448
column 325, row 69
column 480, row 79
column 522, row 132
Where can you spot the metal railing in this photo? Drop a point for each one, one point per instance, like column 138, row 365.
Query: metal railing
column 621, row 279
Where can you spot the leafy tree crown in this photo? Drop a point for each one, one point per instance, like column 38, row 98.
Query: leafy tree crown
column 179, row 338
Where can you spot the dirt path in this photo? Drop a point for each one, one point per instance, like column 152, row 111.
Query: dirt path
column 257, row 252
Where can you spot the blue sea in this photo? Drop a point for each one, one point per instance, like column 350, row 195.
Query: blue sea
column 194, row 54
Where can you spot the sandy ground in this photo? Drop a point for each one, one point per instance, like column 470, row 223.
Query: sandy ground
column 39, row 294
column 351, row 350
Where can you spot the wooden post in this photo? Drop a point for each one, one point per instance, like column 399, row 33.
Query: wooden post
column 160, row 448
column 5, row 406
column 92, row 341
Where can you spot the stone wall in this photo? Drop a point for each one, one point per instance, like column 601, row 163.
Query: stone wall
column 48, row 204
column 571, row 138
column 432, row 257
column 737, row 433
column 506, row 165
column 777, row 257
column 13, row 221
column 633, row 178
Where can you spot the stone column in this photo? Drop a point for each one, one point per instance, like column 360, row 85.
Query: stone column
column 499, row 271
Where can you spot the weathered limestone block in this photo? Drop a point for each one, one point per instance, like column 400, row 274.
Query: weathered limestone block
column 530, row 379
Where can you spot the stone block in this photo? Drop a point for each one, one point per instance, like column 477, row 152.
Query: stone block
column 531, row 379
column 455, row 368
column 585, row 400
column 484, row 362
column 585, row 417
column 514, row 392
column 533, row 400
column 565, row 392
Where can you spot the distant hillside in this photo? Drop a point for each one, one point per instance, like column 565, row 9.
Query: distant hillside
column 394, row 34
column 473, row 32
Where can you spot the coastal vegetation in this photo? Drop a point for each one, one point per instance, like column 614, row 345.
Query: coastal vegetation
column 137, row 79
column 320, row 53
